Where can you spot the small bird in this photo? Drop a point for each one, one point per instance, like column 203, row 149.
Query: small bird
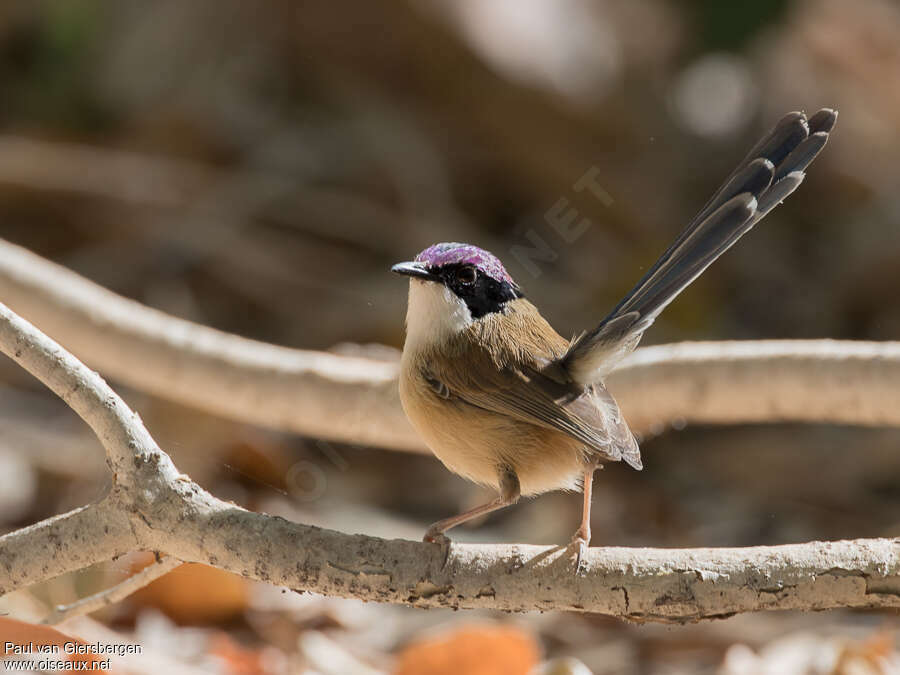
column 503, row 400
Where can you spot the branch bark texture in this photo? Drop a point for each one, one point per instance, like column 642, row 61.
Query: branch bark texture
column 152, row 506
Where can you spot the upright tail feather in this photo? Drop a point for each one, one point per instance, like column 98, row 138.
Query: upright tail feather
column 772, row 170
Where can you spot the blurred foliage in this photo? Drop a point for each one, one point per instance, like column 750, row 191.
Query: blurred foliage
column 45, row 63
column 732, row 25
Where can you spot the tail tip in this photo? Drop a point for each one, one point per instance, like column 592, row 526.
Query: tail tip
column 634, row 461
column 823, row 120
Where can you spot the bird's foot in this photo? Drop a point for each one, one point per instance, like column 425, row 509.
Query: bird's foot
column 580, row 544
column 437, row 537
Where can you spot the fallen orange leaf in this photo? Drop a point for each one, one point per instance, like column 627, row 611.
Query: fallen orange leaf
column 195, row 594
column 474, row 650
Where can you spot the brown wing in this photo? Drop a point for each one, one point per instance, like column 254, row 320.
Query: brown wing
column 508, row 381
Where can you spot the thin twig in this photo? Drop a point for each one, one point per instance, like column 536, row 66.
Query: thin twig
column 114, row 594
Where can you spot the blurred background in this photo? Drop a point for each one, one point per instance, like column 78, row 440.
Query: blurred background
column 257, row 167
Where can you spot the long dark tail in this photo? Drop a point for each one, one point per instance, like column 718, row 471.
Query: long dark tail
column 772, row 170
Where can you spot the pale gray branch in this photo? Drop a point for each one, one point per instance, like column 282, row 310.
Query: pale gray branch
column 831, row 381
column 640, row 584
column 314, row 393
column 355, row 400
column 151, row 506
column 64, row 543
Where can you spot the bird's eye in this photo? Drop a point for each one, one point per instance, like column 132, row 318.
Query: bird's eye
column 466, row 275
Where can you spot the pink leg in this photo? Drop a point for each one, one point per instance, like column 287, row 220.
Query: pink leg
column 436, row 531
column 509, row 494
column 582, row 536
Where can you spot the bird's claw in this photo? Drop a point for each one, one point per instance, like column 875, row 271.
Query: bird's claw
column 442, row 540
column 581, row 546
column 435, row 537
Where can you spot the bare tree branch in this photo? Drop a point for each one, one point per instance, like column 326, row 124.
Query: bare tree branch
column 355, row 399
column 114, row 594
column 65, row 543
column 315, row 393
column 832, row 381
column 152, row 506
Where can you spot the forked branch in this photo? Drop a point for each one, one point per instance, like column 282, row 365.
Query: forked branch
column 152, row 506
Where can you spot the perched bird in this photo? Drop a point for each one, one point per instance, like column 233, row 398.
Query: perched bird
column 503, row 400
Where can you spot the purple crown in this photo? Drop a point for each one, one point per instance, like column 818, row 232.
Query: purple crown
column 450, row 253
